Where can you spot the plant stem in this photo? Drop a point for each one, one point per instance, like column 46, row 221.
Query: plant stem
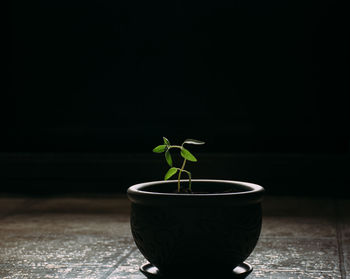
column 189, row 180
column 179, row 176
column 175, row 146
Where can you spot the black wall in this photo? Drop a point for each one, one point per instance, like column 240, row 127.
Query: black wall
column 112, row 77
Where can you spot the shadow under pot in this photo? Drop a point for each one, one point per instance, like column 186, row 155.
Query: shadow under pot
column 207, row 233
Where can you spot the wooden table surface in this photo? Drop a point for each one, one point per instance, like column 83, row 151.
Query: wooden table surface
column 89, row 237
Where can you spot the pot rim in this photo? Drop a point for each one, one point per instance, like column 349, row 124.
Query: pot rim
column 252, row 194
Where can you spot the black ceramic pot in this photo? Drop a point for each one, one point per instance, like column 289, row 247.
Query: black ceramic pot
column 209, row 232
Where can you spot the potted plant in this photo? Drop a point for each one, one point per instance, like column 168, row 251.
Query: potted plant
column 194, row 228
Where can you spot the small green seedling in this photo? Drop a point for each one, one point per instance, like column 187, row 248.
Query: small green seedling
column 187, row 155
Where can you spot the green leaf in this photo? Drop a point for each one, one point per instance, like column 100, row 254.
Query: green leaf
column 166, row 141
column 168, row 158
column 187, row 155
column 170, row 173
column 193, row 141
column 160, row 148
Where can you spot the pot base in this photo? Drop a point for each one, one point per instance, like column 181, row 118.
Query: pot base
column 239, row 272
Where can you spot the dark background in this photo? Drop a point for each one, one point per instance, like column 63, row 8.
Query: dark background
column 94, row 85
